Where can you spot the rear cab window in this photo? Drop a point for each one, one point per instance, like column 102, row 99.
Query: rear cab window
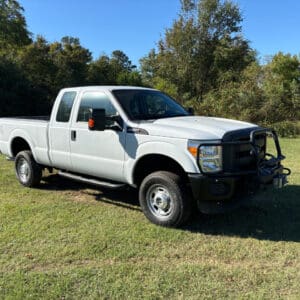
column 65, row 107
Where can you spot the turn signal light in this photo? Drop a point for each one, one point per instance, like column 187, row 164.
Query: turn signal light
column 193, row 150
column 91, row 123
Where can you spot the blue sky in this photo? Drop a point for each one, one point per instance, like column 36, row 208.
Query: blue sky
column 135, row 26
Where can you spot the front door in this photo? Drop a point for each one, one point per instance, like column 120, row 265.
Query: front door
column 96, row 153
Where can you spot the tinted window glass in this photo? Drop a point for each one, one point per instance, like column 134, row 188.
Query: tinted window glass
column 148, row 104
column 94, row 100
column 65, row 107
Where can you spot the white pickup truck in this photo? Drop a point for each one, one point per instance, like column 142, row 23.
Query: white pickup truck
column 117, row 136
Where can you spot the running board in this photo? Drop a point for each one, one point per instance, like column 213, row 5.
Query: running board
column 97, row 182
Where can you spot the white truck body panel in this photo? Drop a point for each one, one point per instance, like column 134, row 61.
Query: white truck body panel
column 100, row 152
column 35, row 132
column 194, row 127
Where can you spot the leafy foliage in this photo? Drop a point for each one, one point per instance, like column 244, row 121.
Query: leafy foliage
column 203, row 49
column 116, row 69
column 13, row 30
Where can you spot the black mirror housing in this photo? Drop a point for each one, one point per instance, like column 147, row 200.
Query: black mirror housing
column 191, row 111
column 97, row 120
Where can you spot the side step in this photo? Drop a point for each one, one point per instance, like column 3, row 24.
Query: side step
column 110, row 185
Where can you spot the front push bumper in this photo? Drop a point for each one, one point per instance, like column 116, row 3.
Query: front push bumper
column 217, row 193
column 221, row 194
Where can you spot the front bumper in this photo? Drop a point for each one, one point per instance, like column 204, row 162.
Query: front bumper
column 216, row 193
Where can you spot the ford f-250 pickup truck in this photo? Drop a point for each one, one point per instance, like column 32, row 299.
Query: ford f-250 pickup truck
column 117, row 136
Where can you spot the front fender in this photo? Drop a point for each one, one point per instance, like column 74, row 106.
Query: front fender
column 178, row 152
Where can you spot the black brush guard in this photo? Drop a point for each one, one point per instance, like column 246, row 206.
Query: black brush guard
column 268, row 168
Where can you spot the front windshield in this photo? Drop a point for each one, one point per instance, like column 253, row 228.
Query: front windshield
column 148, row 104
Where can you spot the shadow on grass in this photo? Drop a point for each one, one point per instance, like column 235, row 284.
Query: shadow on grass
column 272, row 215
column 126, row 197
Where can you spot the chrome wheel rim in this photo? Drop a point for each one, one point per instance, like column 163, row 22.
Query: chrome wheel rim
column 159, row 201
column 23, row 170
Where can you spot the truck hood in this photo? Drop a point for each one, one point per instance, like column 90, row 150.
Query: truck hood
column 193, row 127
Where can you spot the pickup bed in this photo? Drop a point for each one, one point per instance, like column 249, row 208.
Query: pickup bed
column 115, row 136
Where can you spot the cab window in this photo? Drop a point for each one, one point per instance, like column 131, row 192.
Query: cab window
column 65, row 107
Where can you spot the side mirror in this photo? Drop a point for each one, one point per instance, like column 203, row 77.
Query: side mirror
column 97, row 120
column 190, row 110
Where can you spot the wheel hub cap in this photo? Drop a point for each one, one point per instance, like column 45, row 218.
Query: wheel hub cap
column 23, row 170
column 159, row 201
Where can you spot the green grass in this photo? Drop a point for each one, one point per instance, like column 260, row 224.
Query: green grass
column 70, row 241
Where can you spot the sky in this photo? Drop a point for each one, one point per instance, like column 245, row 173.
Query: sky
column 135, row 26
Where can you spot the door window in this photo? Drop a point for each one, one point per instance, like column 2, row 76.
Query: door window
column 94, row 100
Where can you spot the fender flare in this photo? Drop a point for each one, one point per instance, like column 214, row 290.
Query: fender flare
column 18, row 133
column 183, row 158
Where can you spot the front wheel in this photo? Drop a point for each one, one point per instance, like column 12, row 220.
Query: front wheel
column 28, row 171
column 164, row 199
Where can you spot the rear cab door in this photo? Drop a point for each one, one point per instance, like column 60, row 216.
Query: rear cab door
column 59, row 129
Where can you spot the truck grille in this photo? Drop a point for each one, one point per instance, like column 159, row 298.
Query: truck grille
column 238, row 157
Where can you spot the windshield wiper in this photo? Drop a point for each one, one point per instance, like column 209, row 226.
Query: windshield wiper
column 174, row 116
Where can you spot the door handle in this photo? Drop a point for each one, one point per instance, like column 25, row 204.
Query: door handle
column 73, row 135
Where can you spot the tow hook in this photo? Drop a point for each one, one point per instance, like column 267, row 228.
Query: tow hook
column 280, row 180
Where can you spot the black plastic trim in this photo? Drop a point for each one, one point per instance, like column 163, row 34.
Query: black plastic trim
column 137, row 130
column 227, row 141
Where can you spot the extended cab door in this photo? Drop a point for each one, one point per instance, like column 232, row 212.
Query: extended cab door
column 96, row 153
column 59, row 131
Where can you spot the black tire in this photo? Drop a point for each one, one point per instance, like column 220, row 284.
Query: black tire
column 28, row 172
column 164, row 199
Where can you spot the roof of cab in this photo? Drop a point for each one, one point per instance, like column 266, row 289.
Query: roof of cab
column 105, row 88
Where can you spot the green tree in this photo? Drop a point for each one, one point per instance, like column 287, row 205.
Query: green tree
column 13, row 28
column 14, row 90
column 50, row 67
column 282, row 88
column 203, row 48
column 71, row 61
column 40, row 70
column 116, row 69
column 241, row 99
column 121, row 61
column 99, row 71
column 129, row 78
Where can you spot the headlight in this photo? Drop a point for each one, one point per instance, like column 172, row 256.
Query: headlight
column 209, row 157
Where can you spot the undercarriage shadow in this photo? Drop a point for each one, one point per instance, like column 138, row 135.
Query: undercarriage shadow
column 126, row 197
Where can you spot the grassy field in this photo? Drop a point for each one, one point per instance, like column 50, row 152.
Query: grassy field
column 70, row 241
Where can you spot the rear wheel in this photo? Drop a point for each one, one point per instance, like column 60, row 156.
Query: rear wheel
column 28, row 172
column 164, row 199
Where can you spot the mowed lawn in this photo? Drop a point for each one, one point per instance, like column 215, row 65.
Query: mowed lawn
column 71, row 241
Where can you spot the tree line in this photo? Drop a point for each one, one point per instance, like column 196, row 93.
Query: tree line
column 33, row 71
column 202, row 60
